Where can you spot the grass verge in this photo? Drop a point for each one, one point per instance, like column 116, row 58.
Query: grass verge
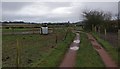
column 112, row 51
column 56, row 56
column 32, row 47
column 87, row 56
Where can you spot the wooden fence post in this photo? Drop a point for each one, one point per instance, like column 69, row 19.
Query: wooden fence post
column 33, row 29
column 56, row 39
column 92, row 27
column 17, row 59
column 105, row 32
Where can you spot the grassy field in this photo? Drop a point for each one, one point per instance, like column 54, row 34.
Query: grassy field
column 34, row 48
column 87, row 56
column 56, row 56
column 19, row 30
column 108, row 47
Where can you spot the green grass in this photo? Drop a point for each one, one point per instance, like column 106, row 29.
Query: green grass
column 33, row 48
column 79, row 28
column 16, row 30
column 55, row 57
column 86, row 55
column 113, row 52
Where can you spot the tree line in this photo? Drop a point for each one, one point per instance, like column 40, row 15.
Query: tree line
column 99, row 21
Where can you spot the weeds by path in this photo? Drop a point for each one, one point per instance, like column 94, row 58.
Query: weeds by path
column 107, row 46
column 87, row 56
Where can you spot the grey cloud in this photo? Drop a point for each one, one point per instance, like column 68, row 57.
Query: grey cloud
column 39, row 18
column 74, row 16
column 104, row 6
column 14, row 6
column 57, row 4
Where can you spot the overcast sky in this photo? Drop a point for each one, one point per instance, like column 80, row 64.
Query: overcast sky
column 52, row 11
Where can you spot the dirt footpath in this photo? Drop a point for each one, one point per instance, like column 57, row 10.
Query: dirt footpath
column 103, row 54
column 70, row 57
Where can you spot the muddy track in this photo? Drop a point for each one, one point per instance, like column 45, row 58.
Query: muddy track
column 70, row 56
column 102, row 52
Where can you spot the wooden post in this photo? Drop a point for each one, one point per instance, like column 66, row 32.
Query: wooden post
column 118, row 37
column 56, row 39
column 40, row 30
column 99, row 29
column 13, row 30
column 53, row 29
column 66, row 34
column 105, row 32
column 95, row 29
column 17, row 54
column 92, row 27
column 33, row 30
